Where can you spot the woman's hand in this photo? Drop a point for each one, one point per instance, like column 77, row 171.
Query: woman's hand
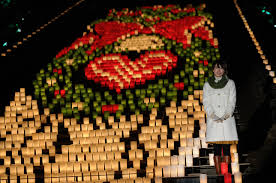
column 216, row 118
column 225, row 116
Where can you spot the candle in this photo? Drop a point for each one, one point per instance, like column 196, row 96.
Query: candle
column 190, row 142
column 268, row 67
column 167, row 171
column 203, row 178
column 195, row 152
column 202, row 133
column 234, row 157
column 203, row 143
column 180, row 170
column 174, row 170
column 181, row 151
column 233, row 148
column 181, row 160
column 227, row 178
column 238, row 177
column 211, row 159
column 224, row 168
column 174, row 160
column 272, row 73
column 274, row 80
column 197, row 142
column 188, row 150
column 235, row 167
column 189, row 160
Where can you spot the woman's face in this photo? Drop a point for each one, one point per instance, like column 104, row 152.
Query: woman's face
column 218, row 71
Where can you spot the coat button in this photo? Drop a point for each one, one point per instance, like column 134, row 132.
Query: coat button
column 218, row 105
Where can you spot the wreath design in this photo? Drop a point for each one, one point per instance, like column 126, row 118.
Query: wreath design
column 130, row 62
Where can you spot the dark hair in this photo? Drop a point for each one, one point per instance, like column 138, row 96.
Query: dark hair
column 220, row 64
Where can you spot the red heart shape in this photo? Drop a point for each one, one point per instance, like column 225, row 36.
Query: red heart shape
column 118, row 72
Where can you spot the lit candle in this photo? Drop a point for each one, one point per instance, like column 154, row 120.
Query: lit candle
column 260, row 52
column 181, row 160
column 274, row 80
column 268, row 67
column 272, row 73
column 227, row 178
column 203, row 143
column 224, row 168
column 202, row 133
column 196, row 151
column 180, row 170
column 238, row 177
column 236, row 158
column 181, row 151
column 174, row 170
column 235, row 167
column 203, row 178
column 211, row 159
column 197, row 142
column 190, row 142
column 188, row 150
column 174, row 160
column 265, row 61
column 167, row 171
column 233, row 148
column 189, row 160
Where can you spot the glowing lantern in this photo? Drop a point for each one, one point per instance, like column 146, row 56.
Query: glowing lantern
column 202, row 133
column 211, row 159
column 196, row 151
column 203, row 143
column 227, row 178
column 235, row 157
column 224, row 167
column 233, row 148
column 180, row 170
column 174, row 170
column 238, row 177
column 268, row 67
column 189, row 160
column 272, row 73
column 167, row 171
column 235, row 167
column 203, row 178
column 181, row 160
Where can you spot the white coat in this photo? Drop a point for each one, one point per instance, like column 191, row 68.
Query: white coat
column 220, row 101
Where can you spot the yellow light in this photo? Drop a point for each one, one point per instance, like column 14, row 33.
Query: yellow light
column 238, row 177
column 235, row 167
column 272, row 73
column 203, row 178
column 268, row 67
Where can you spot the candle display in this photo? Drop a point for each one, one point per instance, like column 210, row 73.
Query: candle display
column 203, row 178
column 224, row 167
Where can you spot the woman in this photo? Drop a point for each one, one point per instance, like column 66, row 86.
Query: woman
column 219, row 100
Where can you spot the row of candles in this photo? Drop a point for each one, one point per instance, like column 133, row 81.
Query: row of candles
column 258, row 47
column 177, row 169
column 227, row 178
column 9, row 50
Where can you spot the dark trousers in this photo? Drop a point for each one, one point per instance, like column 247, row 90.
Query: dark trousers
column 219, row 147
